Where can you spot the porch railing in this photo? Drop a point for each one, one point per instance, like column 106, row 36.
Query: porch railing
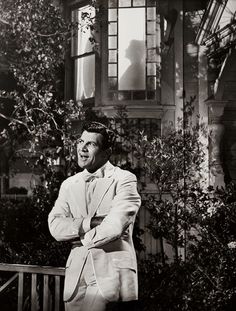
column 41, row 286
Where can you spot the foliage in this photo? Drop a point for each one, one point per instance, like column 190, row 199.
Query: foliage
column 213, row 255
column 33, row 243
column 205, row 278
column 34, row 40
column 172, row 159
column 17, row 190
column 162, row 286
column 24, row 234
column 196, row 221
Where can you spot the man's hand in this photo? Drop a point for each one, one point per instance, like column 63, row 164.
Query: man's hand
column 96, row 220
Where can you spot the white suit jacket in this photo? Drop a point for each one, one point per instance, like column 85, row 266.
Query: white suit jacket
column 110, row 244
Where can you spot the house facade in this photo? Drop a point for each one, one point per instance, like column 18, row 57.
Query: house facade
column 154, row 57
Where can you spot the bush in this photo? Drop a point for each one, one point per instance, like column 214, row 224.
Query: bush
column 198, row 223
column 205, row 278
column 24, row 233
column 17, row 190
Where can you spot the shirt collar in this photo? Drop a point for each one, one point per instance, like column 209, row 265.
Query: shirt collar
column 99, row 173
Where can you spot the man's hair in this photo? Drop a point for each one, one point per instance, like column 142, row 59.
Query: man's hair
column 97, row 127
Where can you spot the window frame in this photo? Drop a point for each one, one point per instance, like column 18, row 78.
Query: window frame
column 158, row 33
column 71, row 6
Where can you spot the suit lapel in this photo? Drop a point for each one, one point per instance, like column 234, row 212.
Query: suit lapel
column 102, row 186
column 79, row 193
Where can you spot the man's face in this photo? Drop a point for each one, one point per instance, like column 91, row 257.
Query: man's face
column 91, row 155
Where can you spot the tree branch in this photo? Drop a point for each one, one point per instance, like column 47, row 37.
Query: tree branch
column 3, row 21
column 46, row 113
column 15, row 120
column 208, row 277
column 52, row 34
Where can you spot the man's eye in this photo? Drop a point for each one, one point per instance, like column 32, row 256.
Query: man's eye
column 92, row 144
column 79, row 141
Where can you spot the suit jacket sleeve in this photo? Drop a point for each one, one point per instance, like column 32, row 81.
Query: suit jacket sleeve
column 62, row 225
column 124, row 208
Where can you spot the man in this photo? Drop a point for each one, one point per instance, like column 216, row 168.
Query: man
column 96, row 210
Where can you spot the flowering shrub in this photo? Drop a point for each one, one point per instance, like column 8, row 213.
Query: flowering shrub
column 198, row 223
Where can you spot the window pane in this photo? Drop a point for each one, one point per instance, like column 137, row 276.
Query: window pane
column 85, row 77
column 112, row 15
column 138, row 2
column 151, row 13
column 112, row 42
column 112, row 70
column 112, row 3
column 151, row 27
column 228, row 15
column 151, row 55
column 123, row 3
column 112, row 83
column 151, row 42
column 151, row 69
column 112, row 56
column 151, row 83
column 150, row 3
column 131, row 43
column 81, row 35
column 112, row 28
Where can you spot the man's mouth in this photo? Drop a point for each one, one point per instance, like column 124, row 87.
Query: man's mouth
column 83, row 157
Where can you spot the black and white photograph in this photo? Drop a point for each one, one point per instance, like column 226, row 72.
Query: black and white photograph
column 117, row 155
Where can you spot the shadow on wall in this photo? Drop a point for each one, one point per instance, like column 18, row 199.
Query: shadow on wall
column 134, row 76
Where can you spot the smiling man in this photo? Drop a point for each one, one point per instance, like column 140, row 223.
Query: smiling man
column 96, row 210
column 93, row 150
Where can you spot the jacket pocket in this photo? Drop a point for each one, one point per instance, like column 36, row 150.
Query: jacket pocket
column 123, row 260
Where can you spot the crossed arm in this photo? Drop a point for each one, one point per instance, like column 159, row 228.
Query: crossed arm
column 124, row 206
column 96, row 221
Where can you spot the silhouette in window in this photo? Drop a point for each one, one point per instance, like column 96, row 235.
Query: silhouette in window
column 134, row 76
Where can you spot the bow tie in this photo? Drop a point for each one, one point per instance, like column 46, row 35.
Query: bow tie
column 91, row 176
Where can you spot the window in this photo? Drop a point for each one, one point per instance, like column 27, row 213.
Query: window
column 217, row 29
column 133, row 50
column 210, row 20
column 228, row 15
column 83, row 53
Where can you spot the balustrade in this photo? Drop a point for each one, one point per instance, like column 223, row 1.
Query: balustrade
column 41, row 286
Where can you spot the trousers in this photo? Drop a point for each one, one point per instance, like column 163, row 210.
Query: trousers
column 87, row 296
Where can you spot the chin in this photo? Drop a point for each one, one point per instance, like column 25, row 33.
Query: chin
column 82, row 164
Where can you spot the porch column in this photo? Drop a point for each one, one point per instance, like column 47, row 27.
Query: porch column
column 216, row 130
column 203, row 112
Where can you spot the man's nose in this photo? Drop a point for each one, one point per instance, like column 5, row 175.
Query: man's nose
column 84, row 147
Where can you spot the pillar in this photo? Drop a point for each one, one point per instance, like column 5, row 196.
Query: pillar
column 216, row 130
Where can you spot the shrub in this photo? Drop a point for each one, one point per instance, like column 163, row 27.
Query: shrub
column 24, row 233
column 199, row 224
column 17, row 190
